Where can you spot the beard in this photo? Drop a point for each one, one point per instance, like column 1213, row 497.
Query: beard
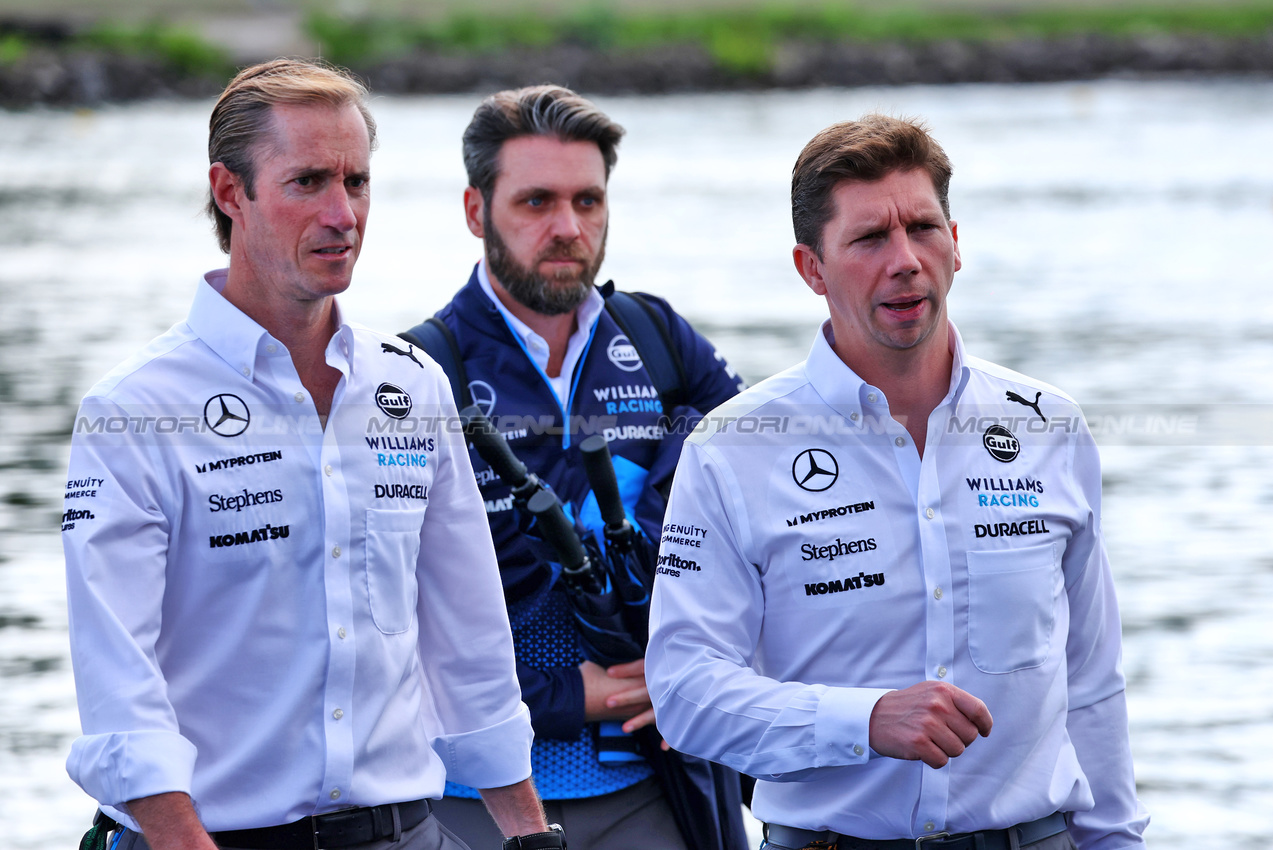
column 561, row 293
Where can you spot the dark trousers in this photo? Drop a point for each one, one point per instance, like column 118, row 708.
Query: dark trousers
column 634, row 818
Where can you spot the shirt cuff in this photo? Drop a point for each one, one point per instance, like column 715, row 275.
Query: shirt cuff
column 121, row 766
column 842, row 726
column 492, row 757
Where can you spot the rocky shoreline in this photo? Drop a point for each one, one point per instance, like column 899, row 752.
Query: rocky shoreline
column 49, row 77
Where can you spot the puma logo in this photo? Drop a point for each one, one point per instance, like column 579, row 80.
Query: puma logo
column 1034, row 404
column 389, row 348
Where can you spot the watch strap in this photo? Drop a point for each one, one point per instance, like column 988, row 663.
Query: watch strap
column 553, row 839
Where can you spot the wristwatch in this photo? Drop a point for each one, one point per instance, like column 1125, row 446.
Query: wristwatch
column 553, row 839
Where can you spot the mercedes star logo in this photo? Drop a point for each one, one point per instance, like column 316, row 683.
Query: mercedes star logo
column 483, row 396
column 227, row 415
column 815, row 470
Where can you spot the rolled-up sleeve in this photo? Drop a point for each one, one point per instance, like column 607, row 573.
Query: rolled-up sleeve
column 466, row 645
column 115, row 537
column 1097, row 718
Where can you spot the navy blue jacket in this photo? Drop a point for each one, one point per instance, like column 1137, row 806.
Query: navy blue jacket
column 611, row 394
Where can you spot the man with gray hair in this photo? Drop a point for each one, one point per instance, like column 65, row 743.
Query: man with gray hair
column 285, row 612
column 549, row 360
column 900, row 616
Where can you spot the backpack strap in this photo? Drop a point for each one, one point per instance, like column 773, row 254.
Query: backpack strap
column 438, row 342
column 650, row 336
column 98, row 836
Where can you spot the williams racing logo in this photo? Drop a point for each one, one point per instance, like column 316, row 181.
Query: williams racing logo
column 623, row 354
column 815, row 470
column 1001, row 443
column 226, row 414
column 394, row 401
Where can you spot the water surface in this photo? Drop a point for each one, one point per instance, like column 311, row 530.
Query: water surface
column 1114, row 238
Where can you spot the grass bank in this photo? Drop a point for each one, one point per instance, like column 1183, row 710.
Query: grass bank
column 630, row 49
column 178, row 48
column 746, row 39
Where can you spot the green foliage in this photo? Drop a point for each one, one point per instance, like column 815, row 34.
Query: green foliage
column 744, row 39
column 180, row 48
column 12, row 48
column 347, row 42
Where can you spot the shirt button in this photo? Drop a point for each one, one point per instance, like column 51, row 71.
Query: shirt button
column 853, row 416
column 299, row 396
column 339, row 714
column 941, row 672
column 335, row 794
column 327, row 470
column 336, row 551
column 872, row 398
column 246, row 371
column 340, row 633
column 937, row 593
column 930, row 826
column 930, row 513
column 857, row 750
column 271, row 348
column 901, row 441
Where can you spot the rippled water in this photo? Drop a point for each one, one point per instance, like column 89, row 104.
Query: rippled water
column 1115, row 242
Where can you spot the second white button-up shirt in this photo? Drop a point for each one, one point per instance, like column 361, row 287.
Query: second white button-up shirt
column 812, row 562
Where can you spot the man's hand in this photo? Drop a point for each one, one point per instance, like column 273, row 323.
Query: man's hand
column 932, row 722
column 617, row 693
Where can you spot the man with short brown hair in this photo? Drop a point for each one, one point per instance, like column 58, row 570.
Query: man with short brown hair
column 900, row 555
column 286, row 619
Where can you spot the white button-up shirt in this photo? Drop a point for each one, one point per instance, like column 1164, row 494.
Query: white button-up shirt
column 811, row 561
column 275, row 617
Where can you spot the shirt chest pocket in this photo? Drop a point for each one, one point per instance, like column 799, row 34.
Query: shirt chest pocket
column 393, row 546
column 1011, row 607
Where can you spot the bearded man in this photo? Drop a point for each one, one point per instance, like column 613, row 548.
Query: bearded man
column 549, row 365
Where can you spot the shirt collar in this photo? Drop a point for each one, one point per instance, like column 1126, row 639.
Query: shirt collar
column 849, row 395
column 585, row 316
column 239, row 340
column 959, row 370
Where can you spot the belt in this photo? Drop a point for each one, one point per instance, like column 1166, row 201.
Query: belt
column 345, row 828
column 780, row 837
